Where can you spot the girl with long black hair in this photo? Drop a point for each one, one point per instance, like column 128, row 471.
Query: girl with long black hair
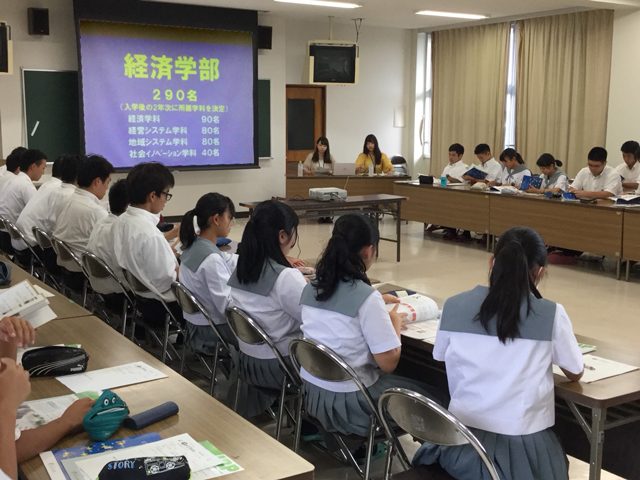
column 320, row 160
column 498, row 345
column 371, row 154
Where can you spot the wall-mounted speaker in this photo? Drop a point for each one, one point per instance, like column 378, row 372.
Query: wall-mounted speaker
column 38, row 21
column 6, row 49
column 265, row 35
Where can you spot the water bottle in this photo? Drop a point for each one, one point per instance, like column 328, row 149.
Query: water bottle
column 300, row 169
column 371, row 169
column 443, row 181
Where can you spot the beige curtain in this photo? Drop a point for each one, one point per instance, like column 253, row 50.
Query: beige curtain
column 469, row 90
column 562, row 97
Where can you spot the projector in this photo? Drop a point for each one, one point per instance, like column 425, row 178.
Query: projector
column 326, row 194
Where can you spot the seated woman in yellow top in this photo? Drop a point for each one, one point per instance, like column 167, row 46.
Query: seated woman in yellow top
column 321, row 158
column 371, row 153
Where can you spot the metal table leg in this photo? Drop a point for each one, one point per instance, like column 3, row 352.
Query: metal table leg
column 398, row 229
column 597, row 440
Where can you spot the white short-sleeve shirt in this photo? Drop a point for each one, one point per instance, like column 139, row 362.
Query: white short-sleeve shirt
column 77, row 216
column 278, row 313
column 101, row 245
column 608, row 180
column 492, row 167
column 53, row 182
column 209, row 285
column 355, row 339
column 455, row 170
column 630, row 175
column 562, row 182
column 142, row 249
column 509, row 178
column 506, row 388
column 15, row 193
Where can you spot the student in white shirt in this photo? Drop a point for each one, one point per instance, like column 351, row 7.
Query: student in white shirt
column 78, row 214
column 268, row 289
column 487, row 164
column 18, row 333
column 554, row 180
column 342, row 311
column 597, row 180
column 19, row 189
column 513, row 170
column 205, row 270
column 101, row 245
column 140, row 247
column 499, row 344
column 11, row 165
column 629, row 169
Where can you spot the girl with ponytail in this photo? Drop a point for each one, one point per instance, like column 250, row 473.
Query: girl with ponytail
column 267, row 288
column 205, row 270
column 342, row 311
column 499, row 344
column 553, row 179
column 513, row 169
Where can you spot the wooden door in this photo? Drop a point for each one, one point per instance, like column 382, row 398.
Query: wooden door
column 306, row 121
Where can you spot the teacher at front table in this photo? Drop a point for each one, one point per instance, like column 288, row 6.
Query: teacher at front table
column 371, row 154
column 320, row 158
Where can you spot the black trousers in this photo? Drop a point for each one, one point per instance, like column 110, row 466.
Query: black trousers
column 154, row 312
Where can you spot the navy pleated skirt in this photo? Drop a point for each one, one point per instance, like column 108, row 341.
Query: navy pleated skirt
column 538, row 456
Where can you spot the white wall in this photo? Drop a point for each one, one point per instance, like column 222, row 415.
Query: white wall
column 355, row 111
column 352, row 112
column 624, row 94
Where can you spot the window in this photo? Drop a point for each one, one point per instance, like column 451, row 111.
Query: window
column 423, row 96
column 510, row 111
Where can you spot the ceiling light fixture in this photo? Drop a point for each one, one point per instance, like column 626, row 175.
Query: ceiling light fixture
column 469, row 16
column 322, row 3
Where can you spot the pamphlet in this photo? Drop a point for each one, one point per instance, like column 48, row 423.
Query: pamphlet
column 24, row 301
column 418, row 308
column 113, row 377
column 36, row 413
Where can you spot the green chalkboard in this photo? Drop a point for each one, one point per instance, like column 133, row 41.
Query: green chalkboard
column 52, row 112
column 264, row 118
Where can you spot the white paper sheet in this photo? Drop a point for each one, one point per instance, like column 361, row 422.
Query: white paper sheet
column 417, row 308
column 43, row 292
column 199, row 457
column 598, row 368
column 36, row 413
column 113, row 377
column 40, row 317
column 425, row 331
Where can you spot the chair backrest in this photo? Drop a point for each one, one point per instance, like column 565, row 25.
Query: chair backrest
column 325, row 364
column 17, row 234
column 426, row 420
column 190, row 304
column 398, row 160
column 246, row 329
column 64, row 252
column 2, row 223
column 42, row 238
column 136, row 285
column 97, row 268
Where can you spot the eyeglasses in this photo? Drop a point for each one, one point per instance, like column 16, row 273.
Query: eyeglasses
column 167, row 194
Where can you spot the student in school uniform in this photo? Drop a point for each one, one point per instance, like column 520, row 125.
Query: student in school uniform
column 205, row 270
column 341, row 310
column 629, row 169
column 268, row 289
column 11, row 165
column 18, row 333
column 140, row 247
column 487, row 164
column 320, row 158
column 554, row 180
column 498, row 344
column 513, row 170
column 597, row 179
column 78, row 214
column 371, row 154
column 18, row 189
column 101, row 245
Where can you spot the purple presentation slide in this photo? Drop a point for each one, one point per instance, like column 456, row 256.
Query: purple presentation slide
column 182, row 104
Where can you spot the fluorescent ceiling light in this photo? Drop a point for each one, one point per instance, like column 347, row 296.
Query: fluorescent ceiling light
column 433, row 13
column 322, row 3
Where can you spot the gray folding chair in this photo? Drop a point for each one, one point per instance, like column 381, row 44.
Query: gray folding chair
column 323, row 363
column 248, row 330
column 43, row 239
column 3, row 228
column 35, row 262
column 137, row 288
column 98, row 269
column 426, row 420
column 190, row 304
column 65, row 254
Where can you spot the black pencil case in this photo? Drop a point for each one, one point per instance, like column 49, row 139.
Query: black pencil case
column 55, row 361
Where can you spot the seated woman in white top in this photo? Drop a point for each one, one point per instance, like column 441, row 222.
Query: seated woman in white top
column 514, row 169
column 498, row 345
column 554, row 180
column 321, row 159
column 342, row 311
column 266, row 287
column 205, row 270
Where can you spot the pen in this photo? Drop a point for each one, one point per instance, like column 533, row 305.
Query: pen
column 589, row 367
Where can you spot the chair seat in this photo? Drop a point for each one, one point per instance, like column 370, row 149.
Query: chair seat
column 424, row 472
